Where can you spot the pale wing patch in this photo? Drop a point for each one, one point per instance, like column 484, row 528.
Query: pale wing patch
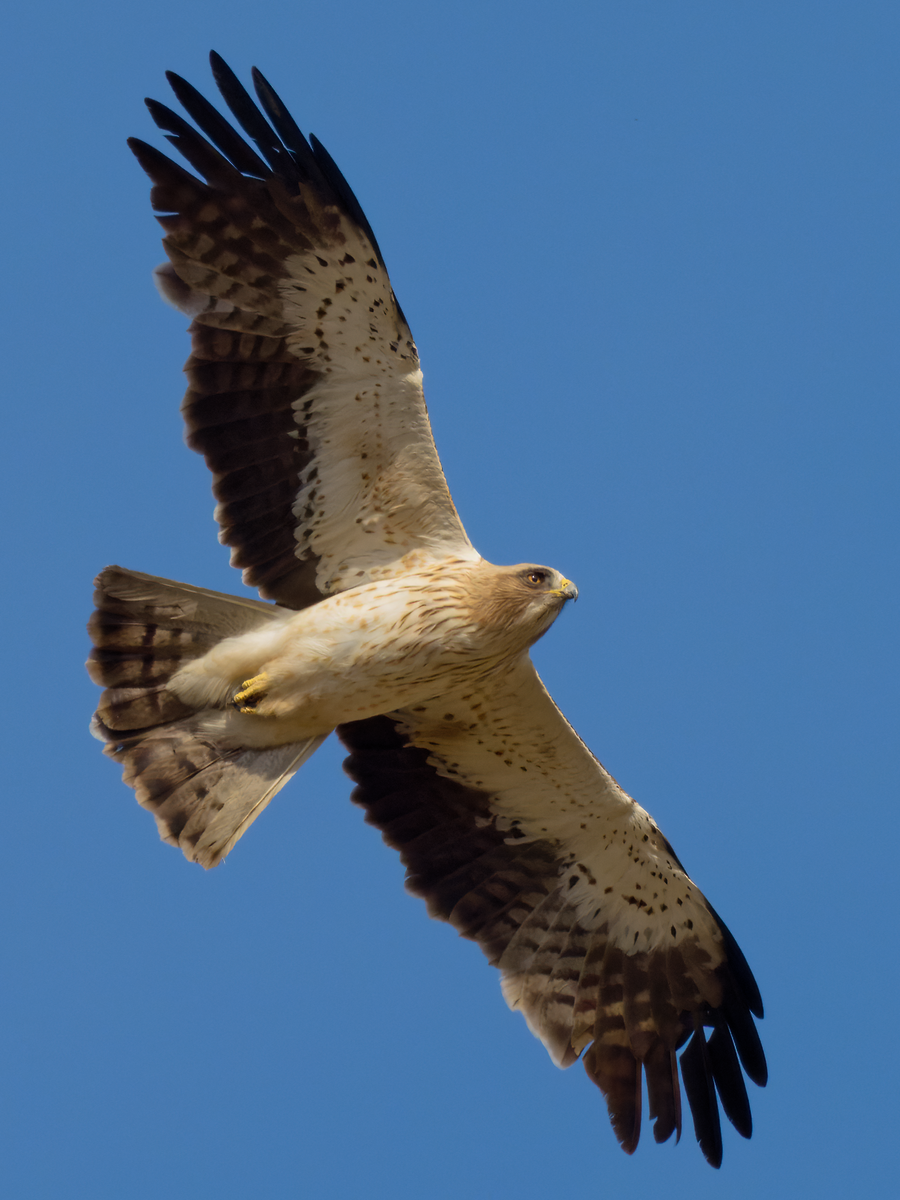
column 373, row 500
column 507, row 738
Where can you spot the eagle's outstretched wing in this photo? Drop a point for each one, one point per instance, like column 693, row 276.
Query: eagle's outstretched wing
column 513, row 831
column 305, row 391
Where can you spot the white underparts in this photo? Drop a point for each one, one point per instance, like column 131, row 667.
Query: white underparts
column 374, row 649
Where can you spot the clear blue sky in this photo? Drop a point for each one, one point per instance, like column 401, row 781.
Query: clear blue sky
column 649, row 254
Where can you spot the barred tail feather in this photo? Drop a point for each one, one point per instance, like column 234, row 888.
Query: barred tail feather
column 203, row 790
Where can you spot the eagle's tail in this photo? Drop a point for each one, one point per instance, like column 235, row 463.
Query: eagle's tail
column 203, row 792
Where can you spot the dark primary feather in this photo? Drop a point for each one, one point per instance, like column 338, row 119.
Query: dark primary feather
column 729, row 1081
column 313, row 162
column 744, row 982
column 697, row 1073
column 216, row 128
column 198, row 152
column 253, row 122
column 285, row 125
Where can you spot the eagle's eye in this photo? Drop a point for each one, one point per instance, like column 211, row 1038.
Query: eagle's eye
column 535, row 578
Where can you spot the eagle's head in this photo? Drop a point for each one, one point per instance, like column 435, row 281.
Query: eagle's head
column 522, row 601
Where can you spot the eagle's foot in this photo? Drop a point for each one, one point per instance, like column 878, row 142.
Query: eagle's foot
column 252, row 691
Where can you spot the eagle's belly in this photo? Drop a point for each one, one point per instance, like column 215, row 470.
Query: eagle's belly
column 371, row 650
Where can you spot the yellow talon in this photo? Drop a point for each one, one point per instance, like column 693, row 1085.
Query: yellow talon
column 252, row 691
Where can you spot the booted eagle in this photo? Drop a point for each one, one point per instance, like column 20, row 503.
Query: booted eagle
column 305, row 399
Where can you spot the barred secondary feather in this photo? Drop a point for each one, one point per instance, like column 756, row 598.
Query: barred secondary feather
column 305, row 398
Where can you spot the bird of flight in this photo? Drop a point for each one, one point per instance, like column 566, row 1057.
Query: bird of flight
column 305, row 398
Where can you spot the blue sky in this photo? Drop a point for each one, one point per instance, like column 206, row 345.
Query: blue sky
column 649, row 255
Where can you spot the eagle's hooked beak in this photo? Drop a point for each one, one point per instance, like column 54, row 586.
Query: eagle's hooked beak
column 566, row 590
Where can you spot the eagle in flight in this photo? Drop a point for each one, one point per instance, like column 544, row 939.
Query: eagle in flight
column 305, row 398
